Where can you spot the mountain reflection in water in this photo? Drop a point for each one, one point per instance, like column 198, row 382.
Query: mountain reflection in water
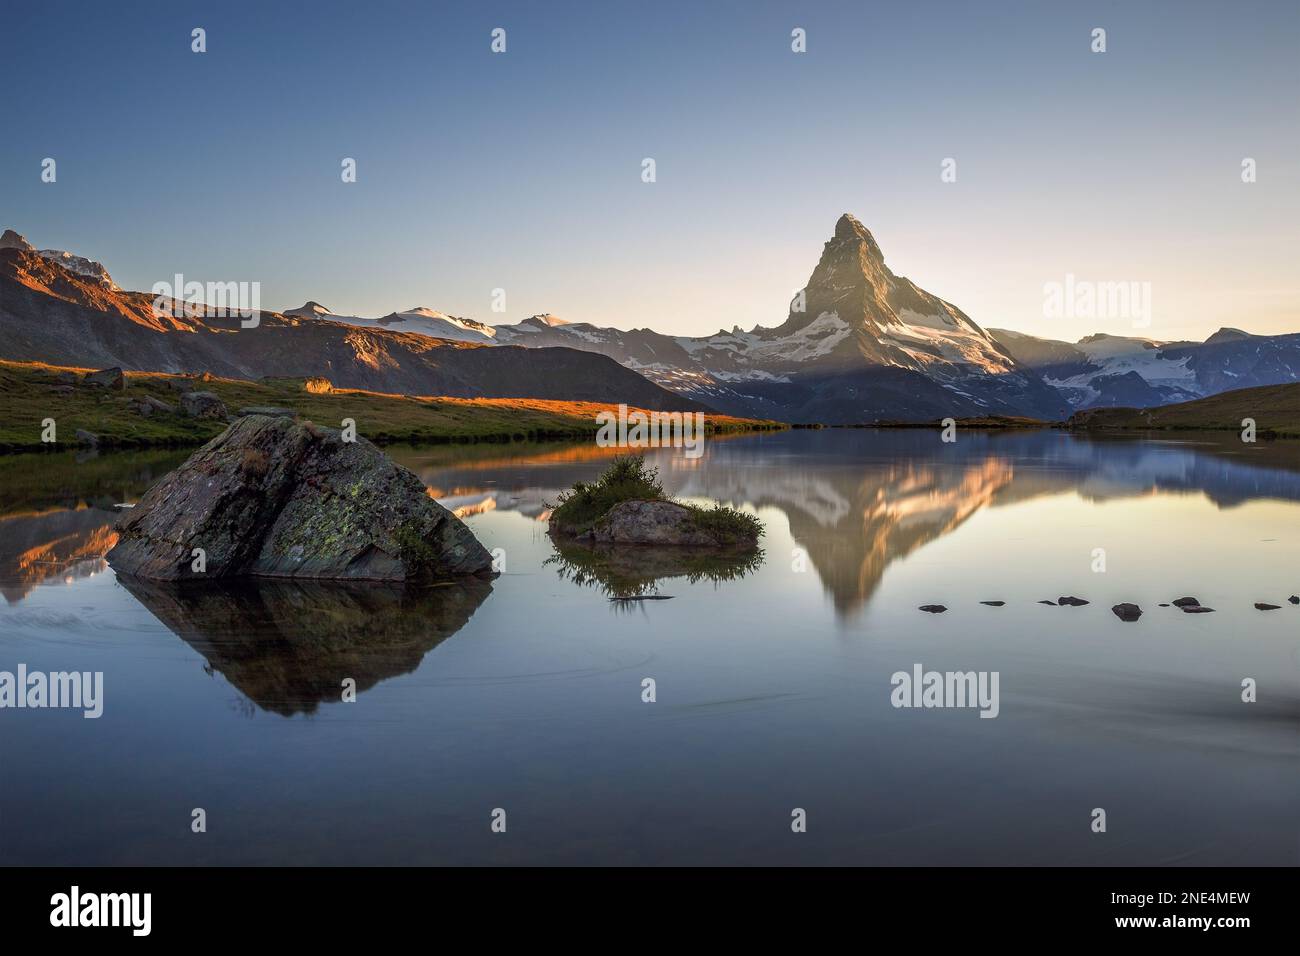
column 858, row 500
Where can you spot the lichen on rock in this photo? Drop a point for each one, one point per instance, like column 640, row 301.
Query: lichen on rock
column 273, row 497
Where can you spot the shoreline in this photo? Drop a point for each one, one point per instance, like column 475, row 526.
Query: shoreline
column 36, row 393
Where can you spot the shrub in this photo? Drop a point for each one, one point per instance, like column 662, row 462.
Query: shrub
column 726, row 524
column 627, row 478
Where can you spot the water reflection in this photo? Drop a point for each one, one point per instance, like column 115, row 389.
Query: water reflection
column 856, row 501
column 57, row 512
column 288, row 645
column 859, row 500
column 626, row 573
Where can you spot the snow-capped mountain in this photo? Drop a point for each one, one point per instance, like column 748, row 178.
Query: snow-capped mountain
column 859, row 344
column 421, row 321
column 1114, row 370
column 80, row 265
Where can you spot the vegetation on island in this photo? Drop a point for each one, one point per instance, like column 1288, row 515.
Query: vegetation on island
column 629, row 478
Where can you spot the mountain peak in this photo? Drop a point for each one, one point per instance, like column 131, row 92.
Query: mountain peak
column 851, row 235
column 850, row 227
column 1227, row 334
column 11, row 240
column 309, row 309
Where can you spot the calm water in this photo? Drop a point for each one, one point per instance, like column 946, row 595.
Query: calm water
column 772, row 683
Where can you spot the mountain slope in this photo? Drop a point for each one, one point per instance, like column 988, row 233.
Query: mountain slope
column 50, row 314
column 1111, row 370
column 1275, row 410
column 422, row 321
column 82, row 266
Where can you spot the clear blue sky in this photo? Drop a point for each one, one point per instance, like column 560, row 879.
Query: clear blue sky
column 522, row 170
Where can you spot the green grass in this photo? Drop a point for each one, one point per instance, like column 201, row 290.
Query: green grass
column 626, row 479
column 1274, row 408
column 33, row 392
column 725, row 523
column 629, row 478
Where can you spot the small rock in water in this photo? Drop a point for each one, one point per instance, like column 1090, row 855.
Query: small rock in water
column 1294, row 599
column 1164, row 605
column 1197, row 609
column 1186, row 602
column 1071, row 601
column 993, row 603
column 1260, row 606
column 933, row 608
column 1053, row 603
column 1127, row 612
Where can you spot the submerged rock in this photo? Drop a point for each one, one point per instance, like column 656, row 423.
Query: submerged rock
column 1260, row 606
column 1045, row 601
column 993, row 603
column 270, row 496
column 933, row 608
column 1072, row 601
column 1127, row 612
column 1197, row 609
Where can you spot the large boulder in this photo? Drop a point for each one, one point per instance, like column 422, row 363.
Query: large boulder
column 112, row 378
column 203, row 405
column 318, row 386
column 147, row 405
column 274, row 497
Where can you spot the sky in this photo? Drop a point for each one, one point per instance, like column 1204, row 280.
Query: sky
column 522, row 170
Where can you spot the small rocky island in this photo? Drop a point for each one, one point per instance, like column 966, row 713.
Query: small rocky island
column 624, row 536
column 274, row 497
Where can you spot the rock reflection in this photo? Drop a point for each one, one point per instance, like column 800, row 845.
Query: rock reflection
column 288, row 645
column 626, row 572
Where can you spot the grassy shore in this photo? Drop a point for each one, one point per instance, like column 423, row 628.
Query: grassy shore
column 33, row 392
column 1275, row 410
